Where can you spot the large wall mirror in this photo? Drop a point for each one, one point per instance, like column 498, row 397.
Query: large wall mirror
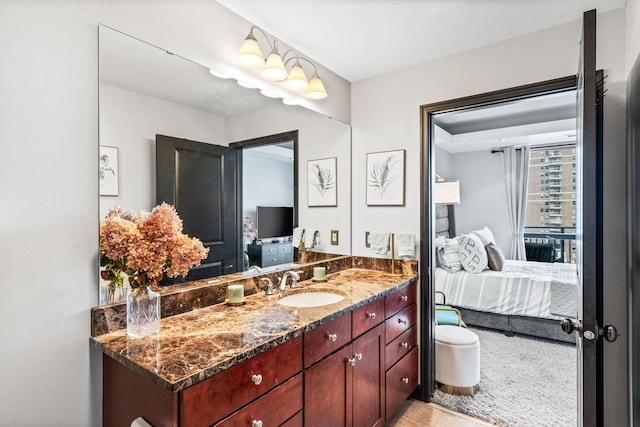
column 148, row 94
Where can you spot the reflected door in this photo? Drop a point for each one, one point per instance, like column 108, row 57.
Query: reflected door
column 199, row 179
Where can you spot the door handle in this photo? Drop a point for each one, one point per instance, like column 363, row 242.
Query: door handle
column 609, row 332
column 569, row 326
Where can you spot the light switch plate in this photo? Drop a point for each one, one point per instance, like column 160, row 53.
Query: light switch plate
column 334, row 237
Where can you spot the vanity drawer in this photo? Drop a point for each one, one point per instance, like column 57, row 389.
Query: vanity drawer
column 396, row 301
column 397, row 324
column 272, row 409
column 402, row 379
column 326, row 338
column 367, row 316
column 213, row 399
column 269, row 260
column 401, row 346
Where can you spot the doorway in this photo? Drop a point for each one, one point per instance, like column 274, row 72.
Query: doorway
column 430, row 171
column 268, row 177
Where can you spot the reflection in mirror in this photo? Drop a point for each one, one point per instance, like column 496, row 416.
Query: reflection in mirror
column 147, row 92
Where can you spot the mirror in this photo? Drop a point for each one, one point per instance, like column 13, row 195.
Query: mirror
column 146, row 91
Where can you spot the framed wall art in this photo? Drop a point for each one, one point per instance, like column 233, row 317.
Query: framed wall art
column 385, row 178
column 109, row 172
column 322, row 182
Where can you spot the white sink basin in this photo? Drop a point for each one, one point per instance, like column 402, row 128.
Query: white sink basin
column 310, row 299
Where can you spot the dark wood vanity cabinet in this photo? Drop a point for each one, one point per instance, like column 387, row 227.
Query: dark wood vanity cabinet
column 401, row 350
column 355, row 370
column 347, row 388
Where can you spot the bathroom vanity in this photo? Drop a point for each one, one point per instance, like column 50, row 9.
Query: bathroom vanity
column 349, row 363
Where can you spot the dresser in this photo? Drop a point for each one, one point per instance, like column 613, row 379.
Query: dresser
column 269, row 254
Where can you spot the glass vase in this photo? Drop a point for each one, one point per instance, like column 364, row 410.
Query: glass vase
column 143, row 312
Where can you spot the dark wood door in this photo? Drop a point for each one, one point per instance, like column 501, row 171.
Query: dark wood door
column 328, row 391
column 368, row 379
column 200, row 180
column 589, row 230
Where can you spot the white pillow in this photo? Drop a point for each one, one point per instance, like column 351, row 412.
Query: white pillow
column 485, row 235
column 473, row 255
column 448, row 256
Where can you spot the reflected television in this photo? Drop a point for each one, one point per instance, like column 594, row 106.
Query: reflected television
column 274, row 221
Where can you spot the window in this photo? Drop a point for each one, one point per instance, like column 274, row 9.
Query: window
column 550, row 186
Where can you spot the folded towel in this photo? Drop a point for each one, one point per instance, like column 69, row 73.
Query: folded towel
column 406, row 243
column 297, row 236
column 379, row 242
column 311, row 238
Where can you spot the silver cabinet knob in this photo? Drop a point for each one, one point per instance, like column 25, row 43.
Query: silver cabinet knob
column 404, row 344
column 402, row 321
column 332, row 337
column 405, row 380
column 404, row 298
column 358, row 356
column 256, row 423
column 352, row 361
column 256, row 378
column 371, row 315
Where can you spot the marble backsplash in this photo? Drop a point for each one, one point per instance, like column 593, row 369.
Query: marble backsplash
column 184, row 297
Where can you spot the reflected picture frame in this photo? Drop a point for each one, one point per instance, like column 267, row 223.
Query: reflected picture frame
column 385, row 178
column 109, row 171
column 322, row 182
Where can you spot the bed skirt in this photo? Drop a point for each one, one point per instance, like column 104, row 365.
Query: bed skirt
column 511, row 324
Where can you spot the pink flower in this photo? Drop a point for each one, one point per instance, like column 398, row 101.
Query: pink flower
column 147, row 245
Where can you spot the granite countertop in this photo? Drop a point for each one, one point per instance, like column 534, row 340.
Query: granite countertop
column 199, row 344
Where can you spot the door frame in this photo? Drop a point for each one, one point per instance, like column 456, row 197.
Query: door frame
column 252, row 143
column 427, row 216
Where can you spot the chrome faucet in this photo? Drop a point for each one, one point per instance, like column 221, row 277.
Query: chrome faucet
column 254, row 268
column 295, row 276
column 269, row 290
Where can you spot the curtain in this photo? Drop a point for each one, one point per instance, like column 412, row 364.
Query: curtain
column 515, row 165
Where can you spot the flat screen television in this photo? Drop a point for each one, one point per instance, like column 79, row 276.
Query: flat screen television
column 274, row 221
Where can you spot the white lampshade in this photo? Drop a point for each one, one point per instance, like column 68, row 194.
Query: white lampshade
column 250, row 54
column 446, row 193
column 297, row 80
column 274, row 68
column 316, row 89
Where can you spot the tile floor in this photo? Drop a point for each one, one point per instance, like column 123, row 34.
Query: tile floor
column 420, row 414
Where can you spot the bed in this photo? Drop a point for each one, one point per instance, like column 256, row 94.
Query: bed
column 526, row 297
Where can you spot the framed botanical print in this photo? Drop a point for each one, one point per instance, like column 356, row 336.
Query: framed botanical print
column 385, row 178
column 322, row 182
column 109, row 172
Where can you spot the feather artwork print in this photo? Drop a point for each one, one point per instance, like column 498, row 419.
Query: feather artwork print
column 385, row 178
column 322, row 182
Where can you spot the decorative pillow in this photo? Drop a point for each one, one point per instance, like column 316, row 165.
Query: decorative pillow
column 447, row 254
column 485, row 235
column 495, row 257
column 473, row 256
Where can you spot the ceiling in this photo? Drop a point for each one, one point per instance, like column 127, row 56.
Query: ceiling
column 358, row 39
column 541, row 120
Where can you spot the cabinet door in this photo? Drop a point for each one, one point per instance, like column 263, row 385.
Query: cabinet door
column 368, row 379
column 402, row 379
column 328, row 391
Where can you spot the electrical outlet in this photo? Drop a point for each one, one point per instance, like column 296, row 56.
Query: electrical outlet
column 334, row 237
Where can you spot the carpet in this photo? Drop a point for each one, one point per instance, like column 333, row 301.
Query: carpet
column 523, row 382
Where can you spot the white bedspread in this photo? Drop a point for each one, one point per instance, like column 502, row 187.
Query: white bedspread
column 523, row 288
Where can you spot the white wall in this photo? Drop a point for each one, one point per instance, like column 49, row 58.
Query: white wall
column 49, row 186
column 633, row 33
column 482, row 196
column 385, row 116
column 319, row 137
column 130, row 121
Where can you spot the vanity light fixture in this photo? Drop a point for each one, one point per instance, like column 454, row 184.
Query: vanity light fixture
column 247, row 84
column 288, row 101
column 275, row 67
column 269, row 94
column 219, row 74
